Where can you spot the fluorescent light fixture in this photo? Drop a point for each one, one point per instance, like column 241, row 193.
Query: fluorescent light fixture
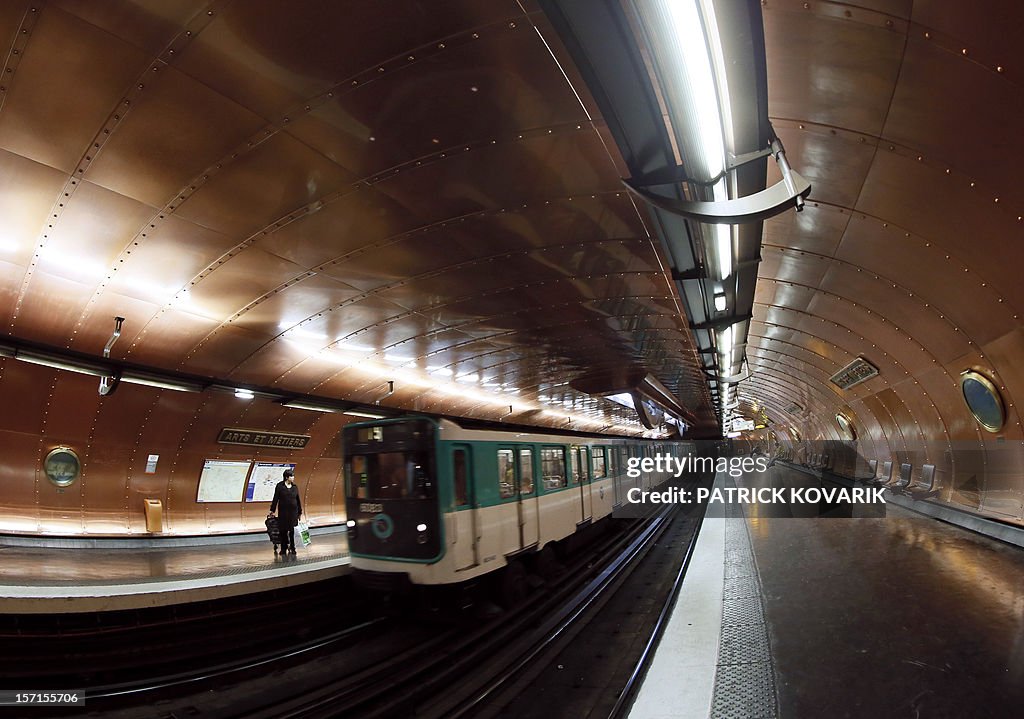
column 367, row 415
column 311, row 406
column 717, row 56
column 723, row 248
column 57, row 362
column 443, row 371
column 680, row 42
column 468, row 377
column 720, row 303
column 149, row 380
column 242, row 393
column 725, row 342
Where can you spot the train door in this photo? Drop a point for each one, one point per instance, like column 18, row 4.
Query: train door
column 463, row 530
column 529, row 514
column 581, row 475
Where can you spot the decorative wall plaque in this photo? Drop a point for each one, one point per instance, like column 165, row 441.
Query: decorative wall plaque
column 860, row 370
column 262, row 438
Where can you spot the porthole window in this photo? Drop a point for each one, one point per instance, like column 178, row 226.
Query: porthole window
column 62, row 466
column 983, row 400
column 846, row 426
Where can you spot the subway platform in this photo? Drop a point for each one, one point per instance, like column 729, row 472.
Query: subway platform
column 894, row 616
column 48, row 575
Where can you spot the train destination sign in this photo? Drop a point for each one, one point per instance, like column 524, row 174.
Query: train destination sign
column 262, row 438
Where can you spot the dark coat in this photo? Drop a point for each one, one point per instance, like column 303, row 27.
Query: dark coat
column 288, row 505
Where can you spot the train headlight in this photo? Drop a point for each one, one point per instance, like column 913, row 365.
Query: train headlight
column 421, row 533
column 352, row 530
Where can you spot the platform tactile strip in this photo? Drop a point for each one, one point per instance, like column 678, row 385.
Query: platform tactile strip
column 742, row 611
column 744, row 679
column 744, row 691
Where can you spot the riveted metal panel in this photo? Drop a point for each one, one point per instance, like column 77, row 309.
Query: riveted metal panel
column 176, row 129
column 919, row 118
column 848, row 54
column 946, row 211
column 835, row 163
column 64, row 57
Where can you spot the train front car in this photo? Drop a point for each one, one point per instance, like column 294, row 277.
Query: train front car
column 392, row 499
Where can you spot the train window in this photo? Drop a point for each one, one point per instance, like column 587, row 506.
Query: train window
column 552, row 467
column 610, row 457
column 526, row 471
column 983, row 399
column 597, row 462
column 391, row 475
column 459, row 472
column 368, row 434
column 506, row 473
column 579, row 463
column 357, row 477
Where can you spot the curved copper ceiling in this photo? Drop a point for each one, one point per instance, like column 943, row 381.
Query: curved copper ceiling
column 326, row 197
column 309, row 197
column 905, row 118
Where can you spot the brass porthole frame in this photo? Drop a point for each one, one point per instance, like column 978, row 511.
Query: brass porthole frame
column 57, row 481
column 846, row 425
column 993, row 391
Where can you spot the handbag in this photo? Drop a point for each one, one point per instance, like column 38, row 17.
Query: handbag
column 304, row 534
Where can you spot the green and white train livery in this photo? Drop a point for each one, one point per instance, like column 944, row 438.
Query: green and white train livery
column 429, row 502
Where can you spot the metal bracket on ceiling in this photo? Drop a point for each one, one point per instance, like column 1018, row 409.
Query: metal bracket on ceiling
column 721, row 323
column 694, row 273
column 788, row 192
column 677, row 174
column 737, row 378
column 109, row 383
column 734, row 161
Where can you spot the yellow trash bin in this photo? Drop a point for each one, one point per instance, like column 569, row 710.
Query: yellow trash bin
column 154, row 515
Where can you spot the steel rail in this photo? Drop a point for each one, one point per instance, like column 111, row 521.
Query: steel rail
column 636, row 677
column 229, row 668
column 586, row 598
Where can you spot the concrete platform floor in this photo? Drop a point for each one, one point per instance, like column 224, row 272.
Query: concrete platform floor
column 902, row 616
column 62, row 579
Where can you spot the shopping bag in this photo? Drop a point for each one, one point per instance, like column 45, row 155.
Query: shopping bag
column 304, row 534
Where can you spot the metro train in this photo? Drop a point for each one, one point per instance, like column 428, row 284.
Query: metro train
column 432, row 503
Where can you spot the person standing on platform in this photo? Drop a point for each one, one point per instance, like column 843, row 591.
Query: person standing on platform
column 289, row 510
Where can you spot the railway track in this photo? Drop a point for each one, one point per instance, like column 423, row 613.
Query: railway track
column 443, row 666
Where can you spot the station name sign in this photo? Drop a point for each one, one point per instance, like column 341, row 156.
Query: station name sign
column 261, row 438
